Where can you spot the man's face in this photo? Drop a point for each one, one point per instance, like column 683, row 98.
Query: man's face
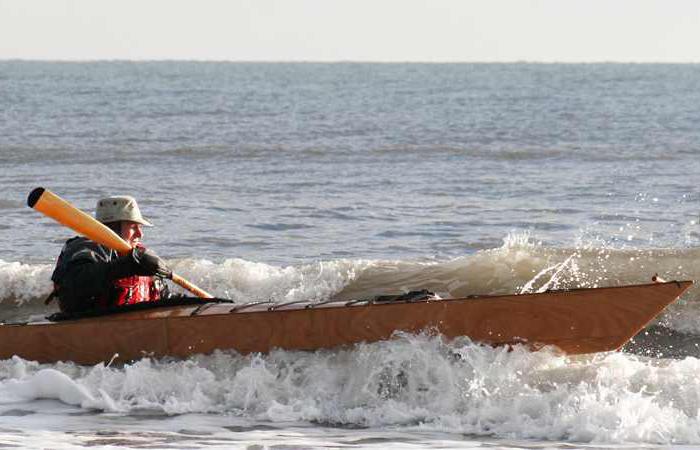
column 132, row 232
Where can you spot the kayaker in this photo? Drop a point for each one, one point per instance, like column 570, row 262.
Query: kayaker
column 90, row 276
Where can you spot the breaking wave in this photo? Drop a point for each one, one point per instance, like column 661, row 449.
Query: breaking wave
column 518, row 266
column 412, row 381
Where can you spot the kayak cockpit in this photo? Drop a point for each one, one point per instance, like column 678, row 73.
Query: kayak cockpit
column 177, row 306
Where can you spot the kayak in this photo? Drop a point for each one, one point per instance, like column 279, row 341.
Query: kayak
column 576, row 321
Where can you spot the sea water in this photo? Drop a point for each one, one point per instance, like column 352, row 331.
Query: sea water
column 316, row 181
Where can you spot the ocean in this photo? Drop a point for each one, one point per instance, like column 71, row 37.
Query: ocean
column 308, row 181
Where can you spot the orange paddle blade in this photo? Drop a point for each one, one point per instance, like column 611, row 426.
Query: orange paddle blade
column 63, row 212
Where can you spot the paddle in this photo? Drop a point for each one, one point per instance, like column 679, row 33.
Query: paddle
column 51, row 205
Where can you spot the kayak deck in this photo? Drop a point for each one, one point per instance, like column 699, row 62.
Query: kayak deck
column 576, row 321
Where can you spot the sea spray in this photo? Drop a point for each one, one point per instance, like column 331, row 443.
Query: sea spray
column 24, row 282
column 243, row 281
column 415, row 381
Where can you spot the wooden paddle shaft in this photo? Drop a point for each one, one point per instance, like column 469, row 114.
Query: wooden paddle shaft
column 51, row 205
column 177, row 279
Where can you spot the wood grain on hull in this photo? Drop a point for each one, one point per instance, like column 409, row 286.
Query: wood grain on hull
column 576, row 321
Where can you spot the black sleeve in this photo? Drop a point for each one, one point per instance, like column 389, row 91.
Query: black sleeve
column 82, row 274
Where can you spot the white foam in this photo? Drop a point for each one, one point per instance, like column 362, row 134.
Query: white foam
column 46, row 384
column 420, row 382
column 242, row 280
column 24, row 282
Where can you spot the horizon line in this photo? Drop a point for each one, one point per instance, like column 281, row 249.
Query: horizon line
column 338, row 61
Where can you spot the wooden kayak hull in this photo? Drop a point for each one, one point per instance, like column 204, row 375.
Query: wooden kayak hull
column 575, row 321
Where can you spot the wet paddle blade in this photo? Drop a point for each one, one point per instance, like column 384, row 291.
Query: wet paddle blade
column 51, row 205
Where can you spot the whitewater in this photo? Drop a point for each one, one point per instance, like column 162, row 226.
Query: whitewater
column 422, row 384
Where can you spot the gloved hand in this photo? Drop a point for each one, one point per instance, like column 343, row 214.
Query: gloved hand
column 149, row 264
column 139, row 261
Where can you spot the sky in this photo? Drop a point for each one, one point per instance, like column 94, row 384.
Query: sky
column 352, row 30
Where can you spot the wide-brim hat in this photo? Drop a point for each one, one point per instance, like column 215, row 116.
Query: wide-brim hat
column 118, row 208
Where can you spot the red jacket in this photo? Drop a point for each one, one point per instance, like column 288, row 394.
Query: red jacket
column 136, row 289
